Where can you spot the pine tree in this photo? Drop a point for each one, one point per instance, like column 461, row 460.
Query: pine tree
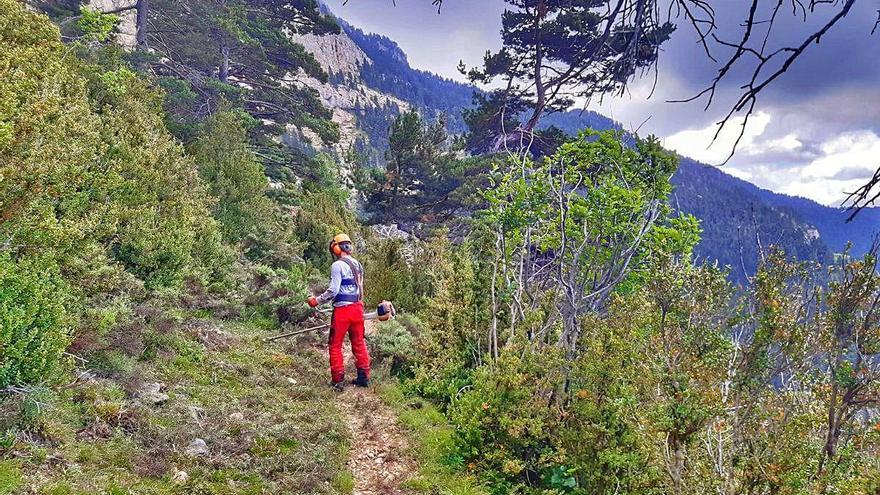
column 556, row 52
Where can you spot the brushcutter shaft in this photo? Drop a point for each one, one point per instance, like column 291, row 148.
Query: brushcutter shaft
column 298, row 332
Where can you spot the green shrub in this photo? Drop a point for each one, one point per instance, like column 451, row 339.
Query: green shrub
column 91, row 177
column 280, row 292
column 233, row 176
column 507, row 422
column 389, row 276
column 321, row 216
column 392, row 344
column 412, row 323
column 33, row 329
column 95, row 25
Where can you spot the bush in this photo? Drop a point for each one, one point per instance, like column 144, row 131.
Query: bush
column 507, row 422
column 392, row 344
column 390, row 276
column 33, row 327
column 320, row 217
column 280, row 292
column 233, row 176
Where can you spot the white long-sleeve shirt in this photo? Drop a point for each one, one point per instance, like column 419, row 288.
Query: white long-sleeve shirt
column 339, row 272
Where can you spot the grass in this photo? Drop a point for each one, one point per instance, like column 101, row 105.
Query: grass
column 10, row 477
column 263, row 410
column 431, row 441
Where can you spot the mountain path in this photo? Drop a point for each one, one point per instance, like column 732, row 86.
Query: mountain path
column 378, row 456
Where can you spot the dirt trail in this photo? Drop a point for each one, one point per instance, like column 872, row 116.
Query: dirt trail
column 378, row 461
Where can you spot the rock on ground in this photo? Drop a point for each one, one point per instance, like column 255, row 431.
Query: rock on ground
column 197, row 448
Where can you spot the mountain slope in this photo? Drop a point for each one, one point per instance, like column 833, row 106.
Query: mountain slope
column 830, row 222
column 738, row 222
column 738, row 218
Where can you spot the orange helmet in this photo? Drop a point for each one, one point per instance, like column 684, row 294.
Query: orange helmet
column 337, row 245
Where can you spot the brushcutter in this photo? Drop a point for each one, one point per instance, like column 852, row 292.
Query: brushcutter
column 384, row 312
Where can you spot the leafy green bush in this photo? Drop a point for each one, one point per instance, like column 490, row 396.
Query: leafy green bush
column 319, row 217
column 33, row 327
column 389, row 276
column 95, row 25
column 392, row 344
column 507, row 422
column 92, row 179
column 279, row 292
column 233, row 176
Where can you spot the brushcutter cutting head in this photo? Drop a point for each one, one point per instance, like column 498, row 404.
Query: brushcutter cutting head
column 385, row 311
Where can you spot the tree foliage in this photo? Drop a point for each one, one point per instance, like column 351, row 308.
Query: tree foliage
column 233, row 175
column 419, row 172
column 93, row 187
column 556, row 51
column 242, row 52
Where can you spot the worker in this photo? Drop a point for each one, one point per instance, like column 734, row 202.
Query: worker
column 346, row 291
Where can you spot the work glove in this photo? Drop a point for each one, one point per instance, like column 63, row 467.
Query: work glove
column 313, row 302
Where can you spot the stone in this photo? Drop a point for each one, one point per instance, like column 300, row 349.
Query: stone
column 198, row 448
column 237, row 417
column 179, row 477
column 196, row 413
column 151, row 393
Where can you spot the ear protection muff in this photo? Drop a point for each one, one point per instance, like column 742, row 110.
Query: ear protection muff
column 337, row 245
column 335, row 249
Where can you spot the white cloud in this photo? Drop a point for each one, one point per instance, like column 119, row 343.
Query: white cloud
column 701, row 144
column 851, row 150
column 824, row 171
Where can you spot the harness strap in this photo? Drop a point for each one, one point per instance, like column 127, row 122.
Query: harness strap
column 358, row 272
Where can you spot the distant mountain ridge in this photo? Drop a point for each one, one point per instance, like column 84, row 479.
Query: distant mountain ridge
column 737, row 217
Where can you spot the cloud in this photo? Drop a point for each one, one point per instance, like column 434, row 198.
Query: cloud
column 816, row 128
column 824, row 169
column 858, row 150
column 853, row 173
column 701, row 143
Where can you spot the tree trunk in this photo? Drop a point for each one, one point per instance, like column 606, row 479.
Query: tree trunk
column 676, row 464
column 224, row 61
column 143, row 12
column 540, row 90
column 493, row 335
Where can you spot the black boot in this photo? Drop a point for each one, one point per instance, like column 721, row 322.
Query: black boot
column 361, row 380
column 338, row 386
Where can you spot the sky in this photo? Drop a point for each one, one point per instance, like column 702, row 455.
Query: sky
column 815, row 132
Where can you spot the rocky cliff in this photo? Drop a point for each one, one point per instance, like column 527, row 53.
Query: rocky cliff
column 346, row 93
column 126, row 29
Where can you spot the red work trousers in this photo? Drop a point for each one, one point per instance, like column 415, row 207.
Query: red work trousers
column 348, row 320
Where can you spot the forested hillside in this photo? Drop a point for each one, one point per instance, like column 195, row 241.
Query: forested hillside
column 172, row 175
column 737, row 216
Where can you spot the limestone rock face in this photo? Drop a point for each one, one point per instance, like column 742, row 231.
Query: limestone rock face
column 127, row 27
column 337, row 53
